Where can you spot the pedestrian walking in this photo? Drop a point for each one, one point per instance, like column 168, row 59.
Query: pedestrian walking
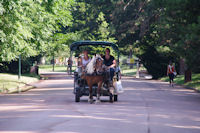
column 171, row 72
column 69, row 66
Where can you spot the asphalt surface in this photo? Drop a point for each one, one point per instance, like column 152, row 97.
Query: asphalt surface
column 146, row 106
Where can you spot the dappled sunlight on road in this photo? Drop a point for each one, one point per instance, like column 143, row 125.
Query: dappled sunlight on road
column 183, row 126
column 88, row 117
column 35, row 132
column 17, row 132
column 51, row 89
column 145, row 106
column 5, row 107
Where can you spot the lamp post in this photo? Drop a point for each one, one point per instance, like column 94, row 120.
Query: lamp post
column 53, row 61
column 137, row 73
column 19, row 74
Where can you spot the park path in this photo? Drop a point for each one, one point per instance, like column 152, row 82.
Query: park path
column 146, row 106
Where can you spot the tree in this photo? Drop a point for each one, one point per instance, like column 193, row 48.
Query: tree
column 162, row 27
column 28, row 27
column 90, row 21
column 181, row 30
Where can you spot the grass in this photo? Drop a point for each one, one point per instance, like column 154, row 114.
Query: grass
column 195, row 83
column 126, row 71
column 57, row 68
column 10, row 82
column 129, row 72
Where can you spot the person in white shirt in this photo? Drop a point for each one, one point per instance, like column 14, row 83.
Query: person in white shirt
column 85, row 59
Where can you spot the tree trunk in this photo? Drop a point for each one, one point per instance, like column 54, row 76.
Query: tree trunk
column 182, row 67
column 53, row 62
column 130, row 57
column 188, row 75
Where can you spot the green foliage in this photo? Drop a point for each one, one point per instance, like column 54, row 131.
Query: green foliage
column 12, row 66
column 159, row 31
column 28, row 27
column 156, row 30
column 182, row 29
column 90, row 21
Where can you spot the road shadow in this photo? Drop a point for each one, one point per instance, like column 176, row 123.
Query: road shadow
column 146, row 104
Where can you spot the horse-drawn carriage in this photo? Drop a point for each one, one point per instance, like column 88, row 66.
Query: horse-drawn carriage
column 101, row 88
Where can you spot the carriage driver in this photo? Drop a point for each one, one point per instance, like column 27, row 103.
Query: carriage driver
column 110, row 62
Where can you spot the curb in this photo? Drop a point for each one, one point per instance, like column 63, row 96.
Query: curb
column 186, row 87
column 21, row 89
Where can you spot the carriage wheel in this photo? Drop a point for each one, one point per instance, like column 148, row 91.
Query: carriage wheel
column 77, row 96
column 111, row 98
column 115, row 98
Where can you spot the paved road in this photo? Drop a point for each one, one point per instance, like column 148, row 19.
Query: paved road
column 146, row 106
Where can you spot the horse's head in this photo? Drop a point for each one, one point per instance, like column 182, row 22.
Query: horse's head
column 99, row 65
column 95, row 65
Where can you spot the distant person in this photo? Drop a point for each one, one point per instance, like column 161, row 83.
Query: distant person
column 171, row 72
column 110, row 62
column 79, row 66
column 69, row 66
column 85, row 59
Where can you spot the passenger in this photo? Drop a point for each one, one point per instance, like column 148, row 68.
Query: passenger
column 85, row 59
column 110, row 62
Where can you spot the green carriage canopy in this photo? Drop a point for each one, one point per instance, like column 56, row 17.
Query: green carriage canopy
column 75, row 46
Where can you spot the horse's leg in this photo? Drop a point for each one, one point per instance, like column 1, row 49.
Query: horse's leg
column 90, row 100
column 99, row 91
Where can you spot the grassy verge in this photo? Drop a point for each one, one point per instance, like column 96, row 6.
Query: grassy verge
column 195, row 83
column 49, row 68
column 129, row 72
column 126, row 71
column 9, row 83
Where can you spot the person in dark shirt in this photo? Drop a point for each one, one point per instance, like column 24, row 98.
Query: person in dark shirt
column 110, row 62
column 69, row 66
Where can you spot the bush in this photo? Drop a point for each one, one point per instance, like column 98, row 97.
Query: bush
column 155, row 62
column 13, row 66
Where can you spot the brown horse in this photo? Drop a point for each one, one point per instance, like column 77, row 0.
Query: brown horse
column 94, row 75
